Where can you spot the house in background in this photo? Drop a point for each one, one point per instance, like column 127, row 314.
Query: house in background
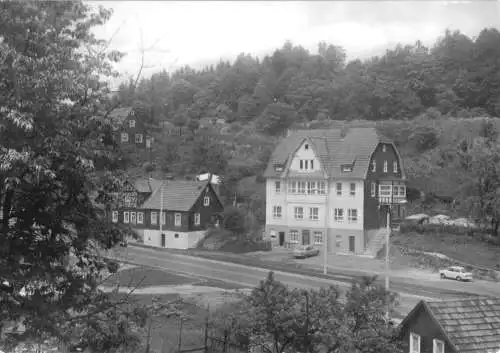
column 457, row 326
column 185, row 208
column 322, row 186
column 127, row 129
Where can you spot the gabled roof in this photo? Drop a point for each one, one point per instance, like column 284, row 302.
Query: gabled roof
column 146, row 184
column 119, row 115
column 333, row 151
column 178, row 195
column 470, row 325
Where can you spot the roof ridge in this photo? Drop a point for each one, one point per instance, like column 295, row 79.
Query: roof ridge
column 482, row 297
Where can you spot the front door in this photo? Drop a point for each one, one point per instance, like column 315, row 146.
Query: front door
column 306, row 237
column 163, row 240
column 352, row 241
column 382, row 214
column 282, row 238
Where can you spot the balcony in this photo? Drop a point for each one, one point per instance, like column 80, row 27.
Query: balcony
column 391, row 200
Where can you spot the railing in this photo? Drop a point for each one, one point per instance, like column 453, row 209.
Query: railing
column 388, row 200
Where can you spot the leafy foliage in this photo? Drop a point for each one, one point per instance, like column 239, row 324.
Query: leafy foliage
column 286, row 320
column 54, row 203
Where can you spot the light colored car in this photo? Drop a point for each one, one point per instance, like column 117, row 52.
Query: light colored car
column 456, row 272
column 304, row 251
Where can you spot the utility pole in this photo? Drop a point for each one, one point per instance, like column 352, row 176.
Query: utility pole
column 325, row 238
column 161, row 214
column 387, row 248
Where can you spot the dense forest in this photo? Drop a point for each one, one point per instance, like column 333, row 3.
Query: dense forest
column 438, row 104
column 458, row 76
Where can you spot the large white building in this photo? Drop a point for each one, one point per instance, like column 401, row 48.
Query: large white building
column 321, row 186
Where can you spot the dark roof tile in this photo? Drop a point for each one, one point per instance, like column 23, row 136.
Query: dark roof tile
column 178, row 195
column 472, row 325
column 333, row 151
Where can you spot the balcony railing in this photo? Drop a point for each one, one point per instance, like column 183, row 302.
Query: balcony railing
column 392, row 199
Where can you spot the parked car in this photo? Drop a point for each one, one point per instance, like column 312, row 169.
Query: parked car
column 456, row 272
column 305, row 251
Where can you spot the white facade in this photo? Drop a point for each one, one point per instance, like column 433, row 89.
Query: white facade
column 306, row 154
column 173, row 239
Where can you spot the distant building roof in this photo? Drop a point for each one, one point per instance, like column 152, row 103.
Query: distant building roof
column 178, row 195
column 117, row 116
column 205, row 177
column 470, row 325
column 333, row 151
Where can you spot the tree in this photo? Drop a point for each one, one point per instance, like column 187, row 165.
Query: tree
column 284, row 320
column 193, row 125
column 54, row 205
column 234, row 220
column 481, row 189
column 207, row 156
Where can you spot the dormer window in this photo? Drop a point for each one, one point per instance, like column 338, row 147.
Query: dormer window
column 278, row 167
column 346, row 168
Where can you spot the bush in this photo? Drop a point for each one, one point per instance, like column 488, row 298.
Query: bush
column 408, row 227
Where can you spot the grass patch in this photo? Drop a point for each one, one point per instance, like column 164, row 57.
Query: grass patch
column 165, row 331
column 459, row 247
column 418, row 250
column 140, row 277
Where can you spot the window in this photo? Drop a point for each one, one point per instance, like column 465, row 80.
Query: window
column 154, row 218
column 314, row 213
column 385, row 166
column 206, row 201
column 339, row 189
column 133, row 218
column 176, row 235
column 115, row 216
column 131, row 123
column 384, row 190
column 301, row 164
column 292, row 187
column 352, row 215
column 197, row 219
column 374, row 166
column 138, row 138
column 294, row 236
column 178, row 219
column 437, row 346
column 338, row 215
column 318, row 238
column 306, row 164
column 124, row 137
column 140, row 217
column 311, row 188
column 373, row 190
column 321, row 188
column 301, row 187
column 132, row 113
column 395, row 167
column 299, row 212
column 277, row 186
column 384, row 148
column 126, row 217
column 402, row 190
column 312, row 164
column 353, row 189
column 163, row 218
column 276, row 211
column 306, row 146
column 414, row 343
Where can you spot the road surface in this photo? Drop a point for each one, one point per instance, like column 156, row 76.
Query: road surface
column 410, row 291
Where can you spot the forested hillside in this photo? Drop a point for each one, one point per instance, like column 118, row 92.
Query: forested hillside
column 433, row 102
column 458, row 76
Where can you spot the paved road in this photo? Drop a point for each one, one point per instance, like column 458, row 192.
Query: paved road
column 250, row 276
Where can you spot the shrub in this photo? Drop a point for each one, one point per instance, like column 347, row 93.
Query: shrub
column 408, row 227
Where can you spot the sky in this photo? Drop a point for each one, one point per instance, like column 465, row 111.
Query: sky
column 195, row 33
